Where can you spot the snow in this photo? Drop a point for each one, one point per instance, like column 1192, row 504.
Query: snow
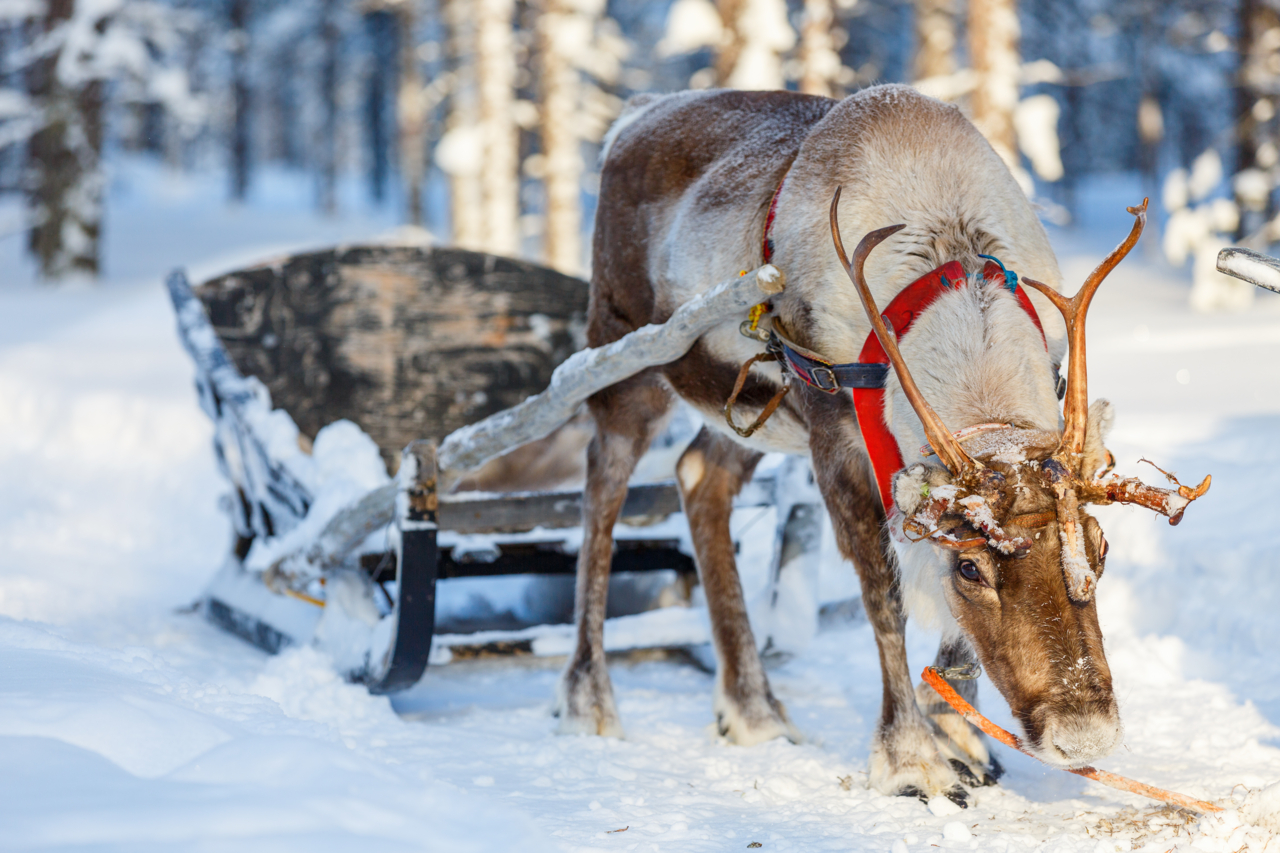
column 127, row 724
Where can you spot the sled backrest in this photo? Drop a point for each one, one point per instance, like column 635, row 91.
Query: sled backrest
column 407, row 342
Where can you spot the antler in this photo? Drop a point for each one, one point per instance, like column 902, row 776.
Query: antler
column 939, row 437
column 1130, row 490
column 1168, row 502
column 1074, row 311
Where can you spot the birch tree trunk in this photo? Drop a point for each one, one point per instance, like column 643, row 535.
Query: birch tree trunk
column 496, row 77
column 1257, row 91
column 756, row 34
column 993, row 52
column 820, row 64
column 731, row 42
column 380, row 28
column 410, row 115
column 935, row 38
column 561, row 144
column 65, row 190
column 457, row 152
column 328, row 142
column 238, row 14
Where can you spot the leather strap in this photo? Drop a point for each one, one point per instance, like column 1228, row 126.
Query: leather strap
column 815, row 370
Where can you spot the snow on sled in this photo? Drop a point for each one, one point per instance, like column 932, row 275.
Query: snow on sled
column 432, row 364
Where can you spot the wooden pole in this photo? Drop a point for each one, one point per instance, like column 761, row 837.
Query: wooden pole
column 586, row 372
column 1253, row 267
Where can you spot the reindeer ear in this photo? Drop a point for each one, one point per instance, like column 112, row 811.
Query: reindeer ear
column 1096, row 455
column 912, row 485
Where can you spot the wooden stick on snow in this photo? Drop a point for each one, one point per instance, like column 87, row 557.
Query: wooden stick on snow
column 964, row 709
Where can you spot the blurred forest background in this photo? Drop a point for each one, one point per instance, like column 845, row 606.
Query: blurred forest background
column 480, row 121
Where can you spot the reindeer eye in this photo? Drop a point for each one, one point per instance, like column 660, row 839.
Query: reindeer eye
column 969, row 570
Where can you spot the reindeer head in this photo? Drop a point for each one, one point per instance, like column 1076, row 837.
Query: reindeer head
column 1022, row 557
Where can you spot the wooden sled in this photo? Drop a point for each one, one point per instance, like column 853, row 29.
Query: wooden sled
column 438, row 356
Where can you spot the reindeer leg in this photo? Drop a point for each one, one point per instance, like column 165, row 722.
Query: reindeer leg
column 627, row 417
column 905, row 757
column 710, row 472
column 961, row 744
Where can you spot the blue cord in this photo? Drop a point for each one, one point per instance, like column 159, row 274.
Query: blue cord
column 1010, row 277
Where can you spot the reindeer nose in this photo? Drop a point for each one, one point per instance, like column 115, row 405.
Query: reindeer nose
column 1082, row 736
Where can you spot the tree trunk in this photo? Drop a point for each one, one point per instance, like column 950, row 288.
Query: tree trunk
column 731, row 42
column 238, row 18
column 935, row 38
column 757, row 33
column 561, row 145
column 380, row 29
column 463, row 166
column 330, row 40
column 993, row 52
column 496, row 76
column 1257, row 89
column 820, row 64
column 410, row 115
column 65, row 178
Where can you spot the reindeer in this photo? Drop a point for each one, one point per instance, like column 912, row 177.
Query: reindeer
column 985, row 539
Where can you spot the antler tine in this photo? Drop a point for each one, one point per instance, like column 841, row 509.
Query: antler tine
column 1130, row 490
column 1074, row 311
column 949, row 451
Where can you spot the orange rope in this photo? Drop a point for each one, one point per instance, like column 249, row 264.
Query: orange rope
column 964, row 709
column 302, row 596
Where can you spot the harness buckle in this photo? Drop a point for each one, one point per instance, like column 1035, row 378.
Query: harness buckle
column 818, row 372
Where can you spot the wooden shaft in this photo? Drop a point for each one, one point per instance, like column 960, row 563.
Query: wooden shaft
column 964, row 709
column 1254, row 267
column 586, row 372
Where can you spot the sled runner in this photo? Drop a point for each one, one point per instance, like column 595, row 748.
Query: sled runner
column 428, row 363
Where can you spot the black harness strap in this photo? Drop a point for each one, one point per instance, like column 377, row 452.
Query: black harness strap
column 815, row 370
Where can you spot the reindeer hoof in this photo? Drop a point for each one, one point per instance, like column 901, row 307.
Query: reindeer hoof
column 969, row 774
column 913, row 791
column 906, row 762
column 585, row 706
column 995, row 770
column 753, row 718
column 966, row 774
column 745, row 730
column 957, row 795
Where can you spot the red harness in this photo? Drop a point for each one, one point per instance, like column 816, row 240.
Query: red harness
column 865, row 377
column 906, row 307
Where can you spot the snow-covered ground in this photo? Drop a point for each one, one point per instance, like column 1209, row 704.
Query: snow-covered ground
column 128, row 724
